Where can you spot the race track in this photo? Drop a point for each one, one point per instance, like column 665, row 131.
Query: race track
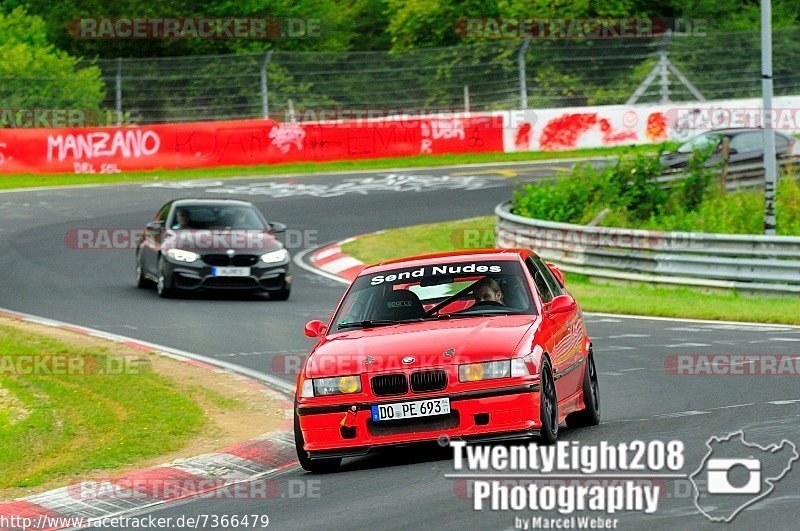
column 42, row 275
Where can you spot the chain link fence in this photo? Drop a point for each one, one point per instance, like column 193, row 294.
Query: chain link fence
column 489, row 75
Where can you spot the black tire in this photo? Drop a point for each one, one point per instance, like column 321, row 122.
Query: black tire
column 280, row 295
column 591, row 397
column 316, row 466
column 142, row 282
column 164, row 285
column 548, row 405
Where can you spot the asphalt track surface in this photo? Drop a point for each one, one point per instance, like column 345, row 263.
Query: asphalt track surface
column 43, row 275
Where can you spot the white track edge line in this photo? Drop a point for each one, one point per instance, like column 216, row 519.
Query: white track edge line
column 281, row 385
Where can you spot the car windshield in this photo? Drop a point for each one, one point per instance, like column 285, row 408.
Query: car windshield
column 448, row 290
column 700, row 143
column 215, row 217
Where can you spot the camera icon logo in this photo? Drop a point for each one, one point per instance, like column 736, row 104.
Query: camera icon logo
column 719, row 471
column 735, row 474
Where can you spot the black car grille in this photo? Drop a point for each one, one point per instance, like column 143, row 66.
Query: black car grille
column 416, row 425
column 223, row 260
column 427, row 381
column 230, row 282
column 390, row 384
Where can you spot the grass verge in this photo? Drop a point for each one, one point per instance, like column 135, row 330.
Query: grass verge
column 11, row 181
column 73, row 407
column 594, row 295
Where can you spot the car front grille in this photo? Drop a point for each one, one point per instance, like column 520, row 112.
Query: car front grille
column 423, row 424
column 427, row 381
column 230, row 282
column 223, row 260
column 389, row 384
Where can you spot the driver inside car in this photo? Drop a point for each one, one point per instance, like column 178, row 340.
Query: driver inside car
column 487, row 290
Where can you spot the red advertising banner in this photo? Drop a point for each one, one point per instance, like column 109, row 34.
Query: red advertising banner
column 241, row 142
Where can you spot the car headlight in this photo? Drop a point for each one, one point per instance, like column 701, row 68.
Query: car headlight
column 340, row 385
column 275, row 256
column 179, row 255
column 474, row 372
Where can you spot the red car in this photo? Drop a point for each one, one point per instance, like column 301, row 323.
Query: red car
column 475, row 345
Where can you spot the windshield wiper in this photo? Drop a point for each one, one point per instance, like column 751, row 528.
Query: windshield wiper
column 369, row 323
column 483, row 313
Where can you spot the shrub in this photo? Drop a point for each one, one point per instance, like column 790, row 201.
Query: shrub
column 630, row 190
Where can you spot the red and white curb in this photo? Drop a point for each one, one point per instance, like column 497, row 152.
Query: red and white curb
column 332, row 260
column 228, row 473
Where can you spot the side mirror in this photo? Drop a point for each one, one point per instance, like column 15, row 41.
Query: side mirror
column 561, row 304
column 316, row 328
column 277, row 227
column 155, row 225
column 557, row 272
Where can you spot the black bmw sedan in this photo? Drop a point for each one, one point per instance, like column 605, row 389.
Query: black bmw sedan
column 194, row 244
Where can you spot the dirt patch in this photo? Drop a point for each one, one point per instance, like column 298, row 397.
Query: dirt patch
column 235, row 411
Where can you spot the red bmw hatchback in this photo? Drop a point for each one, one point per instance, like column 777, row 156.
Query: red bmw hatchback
column 475, row 345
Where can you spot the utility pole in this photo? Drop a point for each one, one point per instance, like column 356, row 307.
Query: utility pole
column 770, row 170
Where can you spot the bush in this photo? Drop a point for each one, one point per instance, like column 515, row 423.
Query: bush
column 630, row 191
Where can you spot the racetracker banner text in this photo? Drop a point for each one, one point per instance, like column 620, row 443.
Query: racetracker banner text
column 241, row 142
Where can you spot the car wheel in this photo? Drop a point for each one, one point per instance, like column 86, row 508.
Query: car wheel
column 142, row 282
column 163, row 288
column 548, row 405
column 280, row 295
column 317, row 466
column 591, row 397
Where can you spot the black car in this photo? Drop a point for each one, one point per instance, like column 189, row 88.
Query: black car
column 194, row 244
column 745, row 145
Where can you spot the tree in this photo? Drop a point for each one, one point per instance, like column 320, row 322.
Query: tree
column 35, row 74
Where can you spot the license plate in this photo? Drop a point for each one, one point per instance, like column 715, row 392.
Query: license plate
column 408, row 410
column 230, row 271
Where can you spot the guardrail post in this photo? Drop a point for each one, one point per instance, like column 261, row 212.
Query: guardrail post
column 523, row 83
column 118, row 92
column 264, row 88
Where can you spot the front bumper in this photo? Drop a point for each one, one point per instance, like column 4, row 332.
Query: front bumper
column 493, row 414
column 197, row 276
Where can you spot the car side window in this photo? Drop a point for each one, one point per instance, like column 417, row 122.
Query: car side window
column 541, row 283
column 162, row 215
column 745, row 142
column 549, row 277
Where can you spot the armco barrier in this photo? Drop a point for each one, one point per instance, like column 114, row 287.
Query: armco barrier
column 743, row 262
column 241, row 142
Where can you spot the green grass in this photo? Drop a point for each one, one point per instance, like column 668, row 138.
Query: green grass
column 54, row 426
column 594, row 295
column 10, row 181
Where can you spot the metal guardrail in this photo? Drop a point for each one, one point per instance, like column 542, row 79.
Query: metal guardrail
column 732, row 261
column 740, row 175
